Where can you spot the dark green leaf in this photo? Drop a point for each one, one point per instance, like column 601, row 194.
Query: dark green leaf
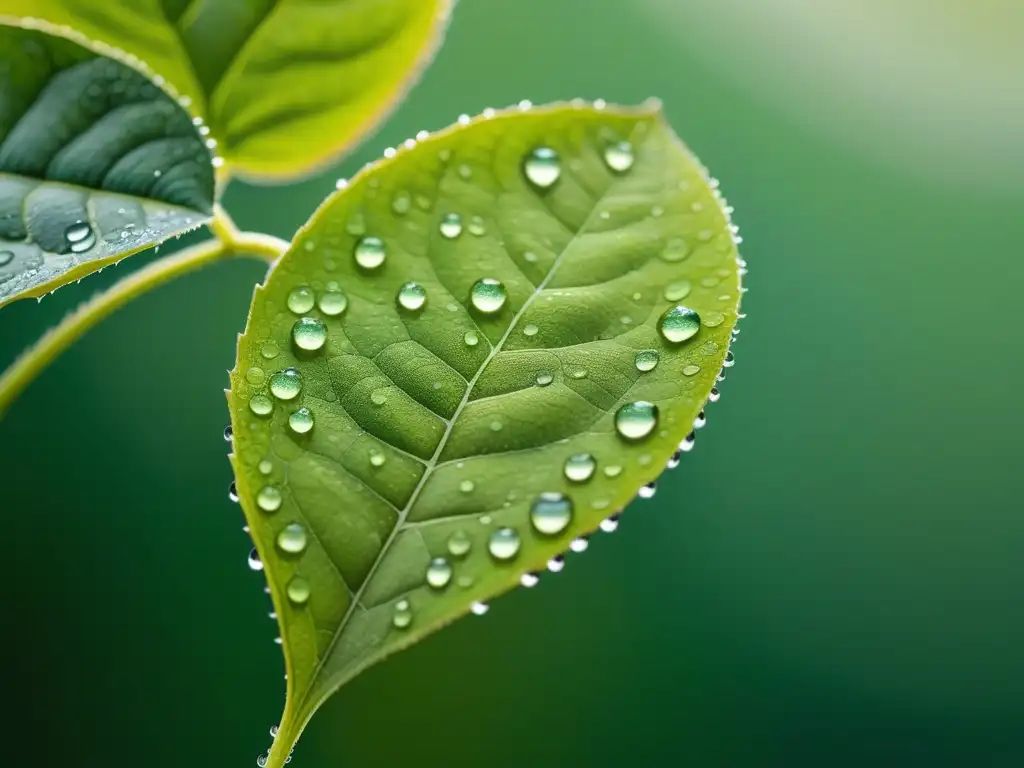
column 96, row 163
column 422, row 428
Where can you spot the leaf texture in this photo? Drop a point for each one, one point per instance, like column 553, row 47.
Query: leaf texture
column 284, row 85
column 96, row 163
column 413, row 452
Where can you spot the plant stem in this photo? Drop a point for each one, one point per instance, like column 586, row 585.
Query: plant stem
column 231, row 242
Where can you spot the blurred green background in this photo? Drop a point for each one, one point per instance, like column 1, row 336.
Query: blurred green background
column 833, row 577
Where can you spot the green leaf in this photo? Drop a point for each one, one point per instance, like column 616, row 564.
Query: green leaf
column 420, row 426
column 284, row 85
column 96, row 163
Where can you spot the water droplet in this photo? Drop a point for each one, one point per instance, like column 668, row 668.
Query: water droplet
column 228, row 434
column 580, row 467
column 729, row 361
column 496, row 426
column 262, row 760
column 255, row 563
column 471, row 338
column 647, row 491
column 610, row 524
column 292, row 539
column 674, row 460
column 580, row 544
column 269, row 499
column 544, row 378
column 503, row 544
column 579, row 373
column 657, row 211
column 612, row 470
column 679, row 324
column 530, row 256
column 298, row 590
column 529, row 580
column 467, row 486
column 646, row 360
column 261, row 405
column 542, row 167
column 377, row 459
column 233, row 492
column 309, row 334
column 556, row 563
column 700, row 421
column 255, row 375
column 269, row 350
column 439, row 573
column 619, row 156
column 378, row 397
column 713, row 319
column 412, row 296
column 459, row 543
column 266, row 467
column 401, row 203
column 301, row 300
column 301, row 421
column 675, row 250
column 80, row 237
column 332, row 301
column 551, row 512
column 401, row 616
column 691, row 370
column 635, row 421
column 451, row 225
column 714, row 395
column 477, row 227
column 370, row 252
column 530, row 330
column 465, row 172
column 273, row 731
column 677, row 291
column 478, row 608
column 6, row 257
column 286, row 384
column 688, row 442
column 488, row 295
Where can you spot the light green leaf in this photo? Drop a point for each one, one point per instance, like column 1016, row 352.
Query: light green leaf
column 96, row 163
column 411, row 430
column 284, row 85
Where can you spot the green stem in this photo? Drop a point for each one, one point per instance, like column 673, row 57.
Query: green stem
column 231, row 242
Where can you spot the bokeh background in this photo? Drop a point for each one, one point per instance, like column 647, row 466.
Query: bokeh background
column 833, row 577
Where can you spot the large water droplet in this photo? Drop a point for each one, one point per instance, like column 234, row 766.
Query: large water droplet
column 488, row 295
column 370, row 252
column 580, row 467
column 80, row 237
column 269, row 499
column 679, row 324
column 451, row 225
column 292, row 539
column 646, row 360
column 309, row 334
column 412, row 296
column 298, row 590
column 286, row 384
column 542, row 167
column 261, row 405
column 401, row 616
column 635, row 421
column 6, row 257
column 551, row 512
column 619, row 156
column 255, row 563
column 332, row 301
column 301, row 421
column 459, row 543
column 503, row 544
column 301, row 300
column 439, row 573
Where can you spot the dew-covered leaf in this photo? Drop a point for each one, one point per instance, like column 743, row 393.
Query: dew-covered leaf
column 474, row 354
column 96, row 163
column 284, row 85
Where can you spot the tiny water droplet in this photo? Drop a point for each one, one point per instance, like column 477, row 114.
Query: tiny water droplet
column 580, row 467
column 478, row 608
column 332, row 301
column 714, row 395
column 647, row 491
column 635, row 421
column 80, row 237
column 286, row 384
column 369, row 252
column 269, row 499
column 401, row 203
column 530, row 330
column 262, row 760
column 301, row 421
column 544, row 378
column 465, row 172
column 679, row 324
column 401, row 616
column 301, row 300
column 580, row 544
column 556, row 563
column 269, row 350
column 503, row 544
column 459, row 543
column 412, row 296
column 647, row 360
column 233, row 492
column 700, row 420
column 477, row 226
column 309, row 334
column 266, row 466
column 488, row 295
column 439, row 573
column 612, row 470
column 467, row 486
column 378, row 397
column 619, row 156
column 542, row 167
column 677, row 291
column 657, row 211
column 674, row 460
column 471, row 338
column 261, row 405
column 451, row 226
column 691, row 370
column 579, row 373
column 730, row 361
column 228, row 434
column 273, row 731
column 609, row 524
column 6, row 257
column 377, row 459
column 713, row 319
column 255, row 563
column 496, row 426
column 255, row 375
column 551, row 511
column 688, row 442
column 298, row 590
column 529, row 580
column 292, row 539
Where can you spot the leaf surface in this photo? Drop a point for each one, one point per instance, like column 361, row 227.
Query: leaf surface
column 285, row 85
column 96, row 163
column 422, row 440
